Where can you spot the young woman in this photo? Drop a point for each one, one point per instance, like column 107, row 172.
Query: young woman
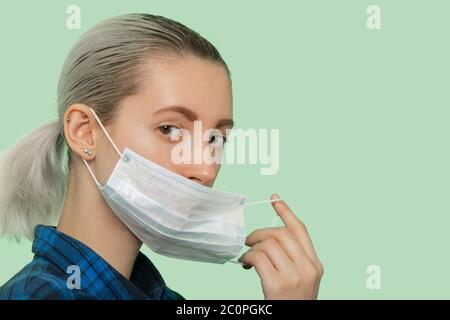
column 131, row 82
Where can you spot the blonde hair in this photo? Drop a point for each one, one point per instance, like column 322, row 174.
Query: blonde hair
column 102, row 68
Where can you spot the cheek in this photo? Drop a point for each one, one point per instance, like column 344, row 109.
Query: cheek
column 217, row 168
column 146, row 142
column 153, row 146
column 156, row 149
column 160, row 153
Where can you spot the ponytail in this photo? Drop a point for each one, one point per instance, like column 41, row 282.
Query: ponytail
column 32, row 182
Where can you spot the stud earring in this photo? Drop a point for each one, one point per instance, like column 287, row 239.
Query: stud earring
column 88, row 152
column 68, row 119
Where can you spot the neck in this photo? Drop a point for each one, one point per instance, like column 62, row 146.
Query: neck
column 87, row 218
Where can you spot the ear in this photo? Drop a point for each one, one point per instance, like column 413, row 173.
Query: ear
column 80, row 130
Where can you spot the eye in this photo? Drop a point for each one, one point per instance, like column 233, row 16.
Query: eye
column 171, row 131
column 218, row 139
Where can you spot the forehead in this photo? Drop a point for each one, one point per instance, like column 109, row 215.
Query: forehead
column 195, row 83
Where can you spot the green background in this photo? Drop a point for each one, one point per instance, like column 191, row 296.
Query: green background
column 363, row 118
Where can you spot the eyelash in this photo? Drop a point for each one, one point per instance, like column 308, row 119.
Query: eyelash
column 163, row 130
column 169, row 126
column 223, row 137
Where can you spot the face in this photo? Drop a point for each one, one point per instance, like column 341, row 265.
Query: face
column 177, row 94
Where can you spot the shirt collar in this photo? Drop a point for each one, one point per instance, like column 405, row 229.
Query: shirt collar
column 98, row 277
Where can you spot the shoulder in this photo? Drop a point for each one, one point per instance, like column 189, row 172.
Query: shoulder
column 36, row 283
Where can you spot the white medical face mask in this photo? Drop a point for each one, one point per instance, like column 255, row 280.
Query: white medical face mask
column 171, row 214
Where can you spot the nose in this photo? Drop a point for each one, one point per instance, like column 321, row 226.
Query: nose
column 204, row 174
column 201, row 165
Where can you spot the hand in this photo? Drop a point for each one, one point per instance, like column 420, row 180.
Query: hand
column 284, row 258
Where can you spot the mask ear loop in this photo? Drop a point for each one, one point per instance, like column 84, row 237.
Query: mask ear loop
column 265, row 201
column 105, row 132
column 110, row 140
column 261, row 201
column 271, row 224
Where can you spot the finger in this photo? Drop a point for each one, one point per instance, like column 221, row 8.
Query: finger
column 262, row 264
column 285, row 213
column 295, row 225
column 276, row 255
column 290, row 245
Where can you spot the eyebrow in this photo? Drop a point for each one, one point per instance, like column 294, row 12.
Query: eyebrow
column 192, row 116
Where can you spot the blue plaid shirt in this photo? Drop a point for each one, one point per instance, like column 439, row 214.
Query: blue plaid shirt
column 46, row 276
